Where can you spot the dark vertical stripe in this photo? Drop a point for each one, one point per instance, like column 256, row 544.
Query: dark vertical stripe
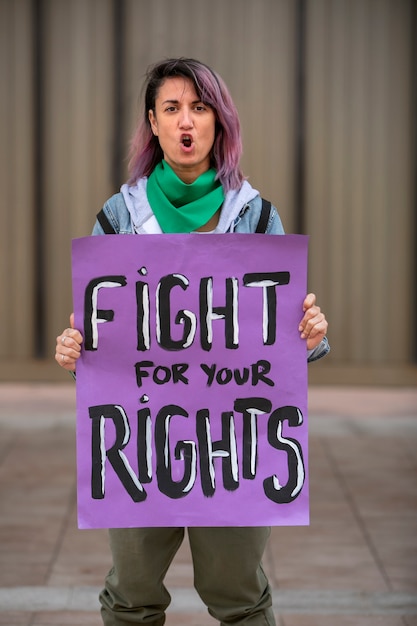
column 299, row 169
column 413, row 79
column 118, row 83
column 38, row 166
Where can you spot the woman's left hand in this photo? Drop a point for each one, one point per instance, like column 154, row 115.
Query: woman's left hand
column 313, row 326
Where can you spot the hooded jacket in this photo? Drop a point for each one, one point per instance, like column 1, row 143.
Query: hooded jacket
column 129, row 212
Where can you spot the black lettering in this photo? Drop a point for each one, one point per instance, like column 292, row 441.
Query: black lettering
column 178, row 370
column 268, row 281
column 259, row 371
column 296, row 473
column 229, row 313
column 142, row 373
column 225, row 448
column 185, row 318
column 224, row 376
column 144, row 445
column 99, row 414
column 250, row 409
column 210, row 371
column 142, row 316
column 92, row 314
column 184, row 450
column 241, row 378
column 161, row 375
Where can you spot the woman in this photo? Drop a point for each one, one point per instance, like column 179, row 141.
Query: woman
column 184, row 177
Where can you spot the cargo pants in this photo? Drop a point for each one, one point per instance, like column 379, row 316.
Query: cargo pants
column 228, row 575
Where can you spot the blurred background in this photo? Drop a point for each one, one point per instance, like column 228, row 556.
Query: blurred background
column 327, row 95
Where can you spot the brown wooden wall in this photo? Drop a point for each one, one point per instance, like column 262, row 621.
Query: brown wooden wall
column 326, row 92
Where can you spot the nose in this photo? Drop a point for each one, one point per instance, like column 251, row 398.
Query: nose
column 186, row 120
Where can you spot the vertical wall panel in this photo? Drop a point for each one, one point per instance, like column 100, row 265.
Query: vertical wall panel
column 400, row 263
column 359, row 199
column 359, row 187
column 78, row 109
column 16, row 180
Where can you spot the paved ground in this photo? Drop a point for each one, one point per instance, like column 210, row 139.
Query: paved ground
column 355, row 565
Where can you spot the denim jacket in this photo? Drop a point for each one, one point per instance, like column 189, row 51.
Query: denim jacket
column 246, row 222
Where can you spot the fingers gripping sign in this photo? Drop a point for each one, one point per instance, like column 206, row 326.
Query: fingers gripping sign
column 68, row 347
column 313, row 326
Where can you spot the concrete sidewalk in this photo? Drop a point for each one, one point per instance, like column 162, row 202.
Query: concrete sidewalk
column 356, row 564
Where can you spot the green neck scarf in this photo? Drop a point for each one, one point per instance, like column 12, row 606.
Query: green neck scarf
column 182, row 208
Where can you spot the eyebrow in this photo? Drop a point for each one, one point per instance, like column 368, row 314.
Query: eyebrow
column 178, row 101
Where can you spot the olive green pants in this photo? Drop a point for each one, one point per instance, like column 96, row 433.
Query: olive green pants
column 228, row 575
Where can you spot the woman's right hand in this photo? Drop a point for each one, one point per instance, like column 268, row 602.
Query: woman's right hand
column 68, row 347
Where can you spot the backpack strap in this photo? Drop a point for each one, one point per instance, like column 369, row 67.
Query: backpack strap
column 261, row 227
column 264, row 216
column 105, row 224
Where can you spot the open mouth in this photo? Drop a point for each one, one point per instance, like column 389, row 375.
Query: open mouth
column 186, row 141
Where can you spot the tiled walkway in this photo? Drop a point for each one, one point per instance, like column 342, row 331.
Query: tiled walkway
column 355, row 565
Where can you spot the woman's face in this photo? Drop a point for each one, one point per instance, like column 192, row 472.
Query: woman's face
column 185, row 127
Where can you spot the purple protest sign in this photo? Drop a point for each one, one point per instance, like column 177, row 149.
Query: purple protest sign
column 192, row 383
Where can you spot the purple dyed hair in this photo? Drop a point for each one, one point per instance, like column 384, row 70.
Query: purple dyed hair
column 145, row 151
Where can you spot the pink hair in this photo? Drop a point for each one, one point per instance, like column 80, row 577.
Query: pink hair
column 145, row 151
